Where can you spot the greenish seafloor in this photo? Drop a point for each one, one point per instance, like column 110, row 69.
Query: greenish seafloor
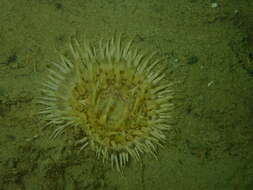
column 208, row 48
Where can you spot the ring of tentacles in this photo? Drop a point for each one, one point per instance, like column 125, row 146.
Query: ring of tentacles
column 115, row 93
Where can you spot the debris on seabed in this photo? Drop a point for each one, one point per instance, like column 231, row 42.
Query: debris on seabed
column 210, row 83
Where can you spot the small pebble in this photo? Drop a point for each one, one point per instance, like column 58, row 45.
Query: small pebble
column 214, row 5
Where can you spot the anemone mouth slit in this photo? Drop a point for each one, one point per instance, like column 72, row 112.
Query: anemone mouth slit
column 116, row 94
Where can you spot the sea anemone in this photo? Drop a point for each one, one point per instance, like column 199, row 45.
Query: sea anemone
column 117, row 95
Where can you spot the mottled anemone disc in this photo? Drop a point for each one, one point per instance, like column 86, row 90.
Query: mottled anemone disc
column 116, row 94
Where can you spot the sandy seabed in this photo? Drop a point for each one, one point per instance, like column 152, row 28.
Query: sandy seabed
column 208, row 47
